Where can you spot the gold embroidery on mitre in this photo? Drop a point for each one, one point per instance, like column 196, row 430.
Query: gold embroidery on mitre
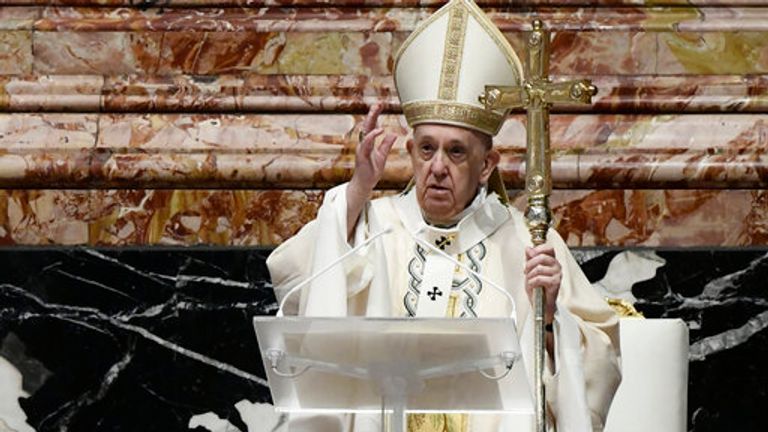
column 453, row 51
column 460, row 114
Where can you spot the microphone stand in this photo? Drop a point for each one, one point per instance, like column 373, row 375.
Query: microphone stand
column 319, row 273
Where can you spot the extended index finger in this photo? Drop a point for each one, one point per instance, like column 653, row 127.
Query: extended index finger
column 372, row 118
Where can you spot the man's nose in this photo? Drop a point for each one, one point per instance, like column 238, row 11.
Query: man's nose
column 438, row 166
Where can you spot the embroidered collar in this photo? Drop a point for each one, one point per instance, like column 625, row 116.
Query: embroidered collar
column 483, row 219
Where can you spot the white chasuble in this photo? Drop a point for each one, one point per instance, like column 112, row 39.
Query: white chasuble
column 435, row 277
column 400, row 274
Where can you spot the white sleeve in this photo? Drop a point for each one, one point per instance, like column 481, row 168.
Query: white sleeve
column 587, row 370
column 316, row 245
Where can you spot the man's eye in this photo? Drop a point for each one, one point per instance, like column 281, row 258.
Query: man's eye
column 458, row 151
column 427, row 149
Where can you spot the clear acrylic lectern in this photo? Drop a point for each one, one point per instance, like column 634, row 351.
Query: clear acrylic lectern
column 394, row 365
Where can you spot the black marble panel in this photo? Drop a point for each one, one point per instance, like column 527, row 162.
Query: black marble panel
column 132, row 340
column 150, row 339
column 722, row 295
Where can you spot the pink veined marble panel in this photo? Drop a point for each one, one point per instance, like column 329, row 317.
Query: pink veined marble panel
column 325, row 93
column 665, row 151
column 46, row 149
column 47, row 131
column 360, row 53
column 247, row 92
column 262, row 20
column 296, row 151
column 712, row 53
column 227, row 150
column 213, row 53
column 604, row 53
column 211, row 93
column 680, row 218
column 350, row 93
column 676, row 94
column 18, row 18
column 171, row 93
column 80, row 93
column 312, row 151
column 15, row 52
column 220, row 217
column 340, row 19
column 583, row 217
column 44, row 217
column 387, row 3
column 107, row 53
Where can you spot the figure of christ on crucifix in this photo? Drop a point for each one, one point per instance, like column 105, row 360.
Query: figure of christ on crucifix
column 456, row 204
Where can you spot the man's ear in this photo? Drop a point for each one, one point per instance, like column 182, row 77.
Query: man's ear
column 409, row 145
column 492, row 159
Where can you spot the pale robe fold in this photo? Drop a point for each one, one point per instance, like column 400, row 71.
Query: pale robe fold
column 384, row 279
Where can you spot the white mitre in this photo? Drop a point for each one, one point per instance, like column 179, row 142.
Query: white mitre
column 445, row 64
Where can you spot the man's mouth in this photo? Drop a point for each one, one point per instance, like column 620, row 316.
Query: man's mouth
column 437, row 189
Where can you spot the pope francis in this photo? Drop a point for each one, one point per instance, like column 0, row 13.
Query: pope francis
column 456, row 203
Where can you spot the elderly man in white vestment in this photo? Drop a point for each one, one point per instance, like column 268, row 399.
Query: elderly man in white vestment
column 457, row 203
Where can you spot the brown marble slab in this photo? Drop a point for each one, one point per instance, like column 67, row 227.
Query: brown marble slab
column 247, row 93
column 176, row 93
column 583, row 217
column 19, row 18
column 659, row 53
column 692, row 53
column 678, row 94
column 350, row 93
column 679, row 218
column 316, row 151
column 188, row 217
column 261, row 20
column 50, row 149
column 61, row 93
column 372, row 54
column 385, row 3
column 44, row 217
column 16, row 56
column 96, row 53
column 339, row 19
column 213, row 53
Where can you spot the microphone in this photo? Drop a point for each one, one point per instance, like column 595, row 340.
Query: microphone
column 386, row 230
column 467, row 269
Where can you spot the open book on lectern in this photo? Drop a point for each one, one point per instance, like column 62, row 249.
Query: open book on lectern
column 360, row 365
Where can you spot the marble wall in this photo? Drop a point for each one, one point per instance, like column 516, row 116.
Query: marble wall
column 152, row 152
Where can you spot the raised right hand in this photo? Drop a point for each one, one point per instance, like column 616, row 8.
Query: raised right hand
column 369, row 166
column 370, row 159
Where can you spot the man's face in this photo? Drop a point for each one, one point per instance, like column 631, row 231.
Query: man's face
column 449, row 164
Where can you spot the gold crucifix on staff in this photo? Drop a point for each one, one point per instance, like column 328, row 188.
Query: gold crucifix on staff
column 537, row 95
